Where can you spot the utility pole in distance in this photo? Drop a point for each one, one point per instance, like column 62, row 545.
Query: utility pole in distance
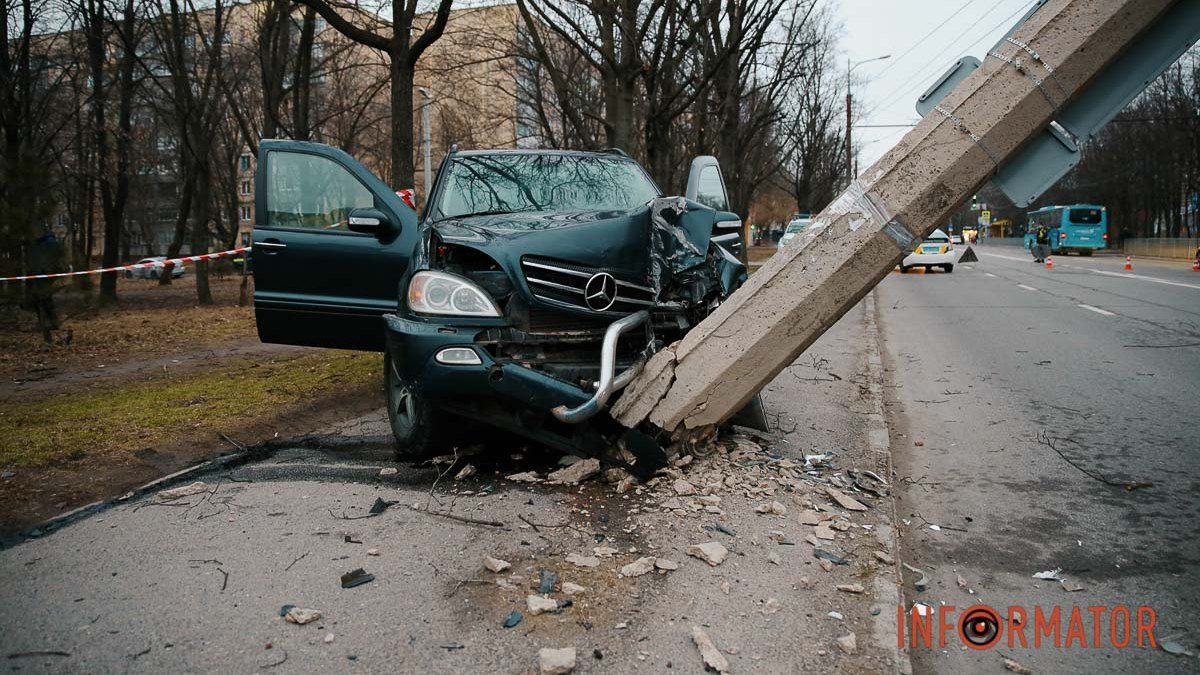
column 850, row 173
column 1011, row 98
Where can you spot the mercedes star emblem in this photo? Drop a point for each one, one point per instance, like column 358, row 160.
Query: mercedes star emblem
column 600, row 292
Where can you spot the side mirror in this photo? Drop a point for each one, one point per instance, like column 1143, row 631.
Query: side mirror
column 705, row 183
column 370, row 221
column 726, row 220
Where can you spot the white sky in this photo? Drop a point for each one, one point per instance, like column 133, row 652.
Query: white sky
column 886, row 91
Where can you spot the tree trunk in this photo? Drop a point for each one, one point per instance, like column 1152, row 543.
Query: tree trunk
column 200, row 231
column 402, row 122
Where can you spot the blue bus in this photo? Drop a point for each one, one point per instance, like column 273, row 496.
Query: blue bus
column 1081, row 228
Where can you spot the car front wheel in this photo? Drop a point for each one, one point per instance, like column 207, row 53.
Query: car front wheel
column 414, row 422
column 948, row 268
column 903, row 269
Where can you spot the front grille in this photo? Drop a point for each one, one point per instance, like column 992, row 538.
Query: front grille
column 551, row 321
column 564, row 283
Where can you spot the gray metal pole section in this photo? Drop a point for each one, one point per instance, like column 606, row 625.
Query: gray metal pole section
column 425, row 138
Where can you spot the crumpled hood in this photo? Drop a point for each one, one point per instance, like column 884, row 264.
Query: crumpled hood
column 615, row 241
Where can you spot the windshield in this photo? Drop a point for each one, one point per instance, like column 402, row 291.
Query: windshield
column 507, row 183
column 1085, row 216
column 797, row 226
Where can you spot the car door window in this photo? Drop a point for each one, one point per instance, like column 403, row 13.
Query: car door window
column 711, row 189
column 312, row 192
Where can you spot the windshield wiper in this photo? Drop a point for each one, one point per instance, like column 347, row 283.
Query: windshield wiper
column 497, row 212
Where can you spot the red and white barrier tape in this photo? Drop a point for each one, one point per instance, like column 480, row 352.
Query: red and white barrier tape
column 134, row 266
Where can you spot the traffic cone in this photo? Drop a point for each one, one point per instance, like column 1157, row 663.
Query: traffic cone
column 1049, row 262
column 1196, row 265
column 1128, row 263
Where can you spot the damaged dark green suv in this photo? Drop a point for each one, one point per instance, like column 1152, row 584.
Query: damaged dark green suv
column 533, row 289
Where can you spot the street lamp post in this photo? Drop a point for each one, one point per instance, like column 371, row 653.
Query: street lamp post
column 849, row 121
column 427, row 100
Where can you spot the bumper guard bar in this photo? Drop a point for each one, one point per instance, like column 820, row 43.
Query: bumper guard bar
column 608, row 383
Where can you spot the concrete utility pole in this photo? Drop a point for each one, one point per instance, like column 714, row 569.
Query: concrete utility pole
column 857, row 240
column 850, row 163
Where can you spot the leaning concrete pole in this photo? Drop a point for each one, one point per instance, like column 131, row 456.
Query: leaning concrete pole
column 855, row 242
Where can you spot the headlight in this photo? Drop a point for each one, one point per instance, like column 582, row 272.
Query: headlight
column 440, row 293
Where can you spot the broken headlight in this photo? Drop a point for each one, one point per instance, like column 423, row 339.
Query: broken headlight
column 432, row 292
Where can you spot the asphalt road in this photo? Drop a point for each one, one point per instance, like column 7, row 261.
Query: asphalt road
column 196, row 585
column 1102, row 364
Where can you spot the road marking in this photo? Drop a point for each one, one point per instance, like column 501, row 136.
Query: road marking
column 989, row 274
column 1140, row 277
column 1006, row 257
column 968, row 267
column 1097, row 310
column 1028, row 288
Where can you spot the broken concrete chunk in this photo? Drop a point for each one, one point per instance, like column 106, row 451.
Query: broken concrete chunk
column 571, row 588
column 495, row 564
column 389, row 471
column 1016, row 667
column 625, row 485
column 848, row 644
column 850, row 588
column 664, row 564
column 709, row 500
column 576, row 473
column 605, row 551
column 845, row 501
column 713, row 658
column 583, row 560
column 711, row 552
column 466, row 472
column 884, row 558
column 329, row 638
column 823, row 532
column 184, row 491
column 538, row 604
column 810, row 517
column 638, row 567
column 372, row 551
column 524, row 477
column 775, row 508
column 301, row 616
column 683, row 488
column 556, row 661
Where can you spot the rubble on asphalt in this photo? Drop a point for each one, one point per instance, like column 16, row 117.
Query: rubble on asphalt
column 556, row 661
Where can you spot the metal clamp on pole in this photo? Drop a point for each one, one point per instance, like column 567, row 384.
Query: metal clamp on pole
column 608, row 363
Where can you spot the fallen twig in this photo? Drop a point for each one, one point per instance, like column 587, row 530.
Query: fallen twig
column 535, row 526
column 49, row 652
column 302, row 556
column 1044, row 438
column 433, row 487
column 464, row 582
column 232, row 442
column 225, row 581
column 140, row 654
column 346, row 517
column 464, row 519
column 1185, row 344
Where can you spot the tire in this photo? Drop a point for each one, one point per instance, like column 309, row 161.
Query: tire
column 903, row 269
column 1087, row 253
column 413, row 421
column 153, row 274
column 949, row 268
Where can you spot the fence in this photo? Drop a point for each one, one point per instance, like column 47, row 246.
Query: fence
column 1162, row 247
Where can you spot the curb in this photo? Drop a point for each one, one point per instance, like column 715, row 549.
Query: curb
column 886, row 586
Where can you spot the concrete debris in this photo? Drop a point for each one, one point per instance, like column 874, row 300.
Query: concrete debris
column 836, row 615
column 625, row 485
column 604, row 551
column 638, row 567
column 683, row 488
column 372, row 551
column 571, row 588
column 615, row 475
column 301, row 616
column 848, row 644
column 665, row 564
column 713, row 658
column 682, row 461
column 823, row 532
column 537, row 604
column 466, row 472
column 711, row 552
column 183, row 491
column 708, row 500
column 1070, row 586
column 845, row 501
column 850, row 588
column 389, row 471
column 568, row 460
column 810, row 517
column 885, row 558
column 576, row 473
column 962, row 583
column 775, row 508
column 328, row 638
column 524, row 477
column 1054, row 574
column 773, row 558
column 1015, row 667
column 920, row 584
column 771, row 606
column 583, row 560
column 495, row 564
column 556, row 661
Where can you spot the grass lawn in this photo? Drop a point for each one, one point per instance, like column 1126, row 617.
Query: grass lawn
column 113, row 423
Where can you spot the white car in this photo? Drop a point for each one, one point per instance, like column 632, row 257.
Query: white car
column 936, row 251
column 155, row 271
column 794, row 228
